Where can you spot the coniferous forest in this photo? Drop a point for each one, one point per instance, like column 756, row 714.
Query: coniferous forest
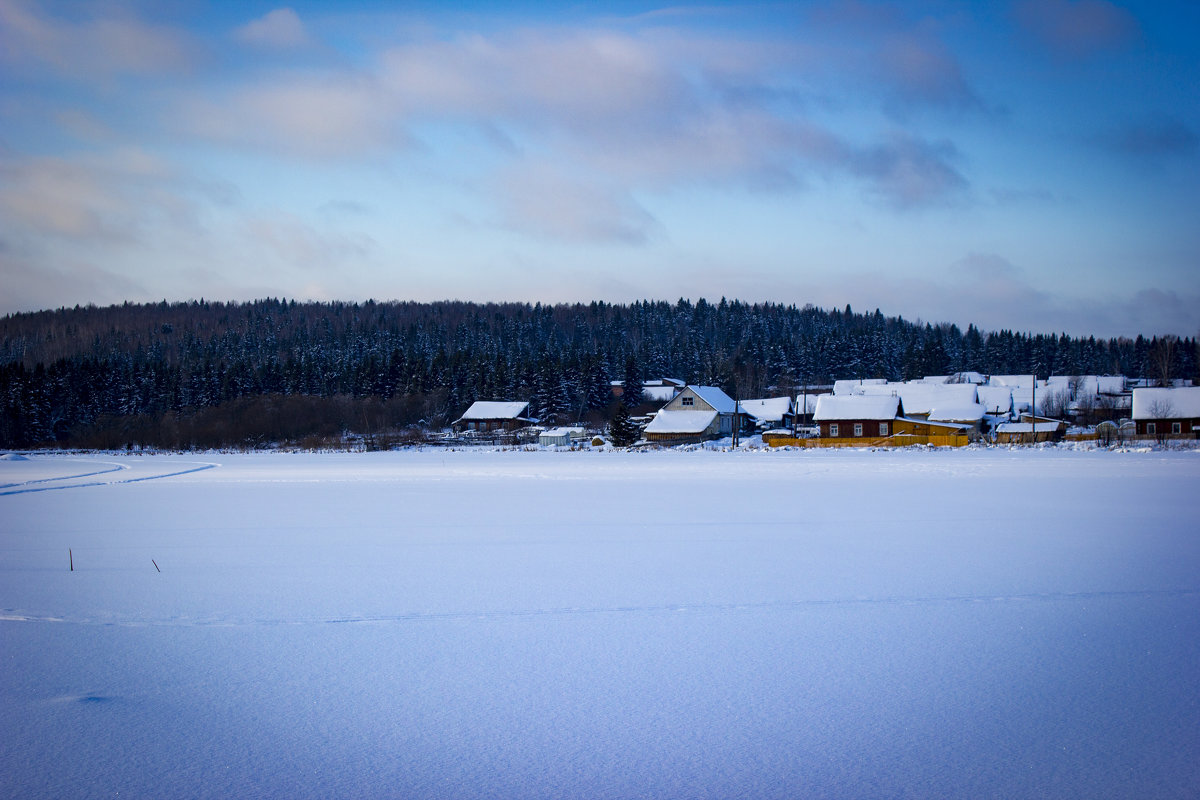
column 208, row 374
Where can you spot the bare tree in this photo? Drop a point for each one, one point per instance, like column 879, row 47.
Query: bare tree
column 1162, row 359
column 1056, row 402
column 1161, row 410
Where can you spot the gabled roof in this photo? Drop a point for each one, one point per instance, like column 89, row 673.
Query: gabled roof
column 1181, row 403
column 717, row 399
column 831, row 408
column 493, row 409
column 969, row 412
column 767, row 408
column 995, row 399
column 682, row 422
column 920, row 398
column 847, row 386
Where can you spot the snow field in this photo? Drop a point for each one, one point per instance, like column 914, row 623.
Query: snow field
column 537, row 624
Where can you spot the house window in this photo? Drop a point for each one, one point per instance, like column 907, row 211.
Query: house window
column 858, row 429
column 1150, row 428
column 883, row 429
column 1176, row 427
column 687, row 401
column 833, row 429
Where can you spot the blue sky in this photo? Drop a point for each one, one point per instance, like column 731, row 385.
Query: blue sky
column 1023, row 165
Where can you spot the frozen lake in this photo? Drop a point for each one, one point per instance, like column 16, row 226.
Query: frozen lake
column 960, row 624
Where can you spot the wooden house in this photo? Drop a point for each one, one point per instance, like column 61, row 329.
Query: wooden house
column 491, row 415
column 1167, row 413
column 857, row 417
column 694, row 414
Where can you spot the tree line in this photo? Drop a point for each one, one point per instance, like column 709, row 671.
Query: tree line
column 211, row 374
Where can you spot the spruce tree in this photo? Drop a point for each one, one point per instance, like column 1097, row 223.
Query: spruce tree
column 621, row 429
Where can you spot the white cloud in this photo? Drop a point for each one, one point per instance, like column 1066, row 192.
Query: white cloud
column 279, row 29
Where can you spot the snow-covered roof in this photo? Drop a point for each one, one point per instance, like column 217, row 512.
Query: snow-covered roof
column 559, row 432
column 969, row 412
column 494, row 409
column 659, row 394
column 716, row 398
column 1110, row 384
column 995, row 399
column 1012, row 380
column 682, row 422
column 920, row 398
column 1180, row 403
column 847, row 386
column 1020, row 427
column 767, row 408
column 834, row 407
column 806, row 403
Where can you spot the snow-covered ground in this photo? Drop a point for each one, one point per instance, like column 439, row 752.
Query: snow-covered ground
column 979, row 623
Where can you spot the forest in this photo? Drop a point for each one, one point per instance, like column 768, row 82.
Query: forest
column 203, row 374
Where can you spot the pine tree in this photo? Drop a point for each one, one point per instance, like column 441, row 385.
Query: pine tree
column 621, row 429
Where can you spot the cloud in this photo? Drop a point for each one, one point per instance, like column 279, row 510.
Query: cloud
column 907, row 172
column 1078, row 29
column 1161, row 136
column 989, row 291
column 279, row 29
column 919, row 70
column 547, row 202
column 92, row 50
column 338, row 115
column 289, row 241
column 88, row 196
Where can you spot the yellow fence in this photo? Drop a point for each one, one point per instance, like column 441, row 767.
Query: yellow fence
column 899, row 440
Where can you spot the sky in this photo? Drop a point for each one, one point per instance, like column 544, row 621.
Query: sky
column 1031, row 165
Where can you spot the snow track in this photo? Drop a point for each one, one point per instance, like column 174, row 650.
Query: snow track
column 11, row 615
column 77, row 480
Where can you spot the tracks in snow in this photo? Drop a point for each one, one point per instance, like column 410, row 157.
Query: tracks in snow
column 13, row 615
column 73, row 481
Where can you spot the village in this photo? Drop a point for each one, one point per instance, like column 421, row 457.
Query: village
column 943, row 411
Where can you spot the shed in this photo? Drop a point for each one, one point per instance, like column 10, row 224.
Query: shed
column 560, row 437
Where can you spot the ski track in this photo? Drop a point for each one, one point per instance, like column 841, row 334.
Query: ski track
column 201, row 466
column 13, row 615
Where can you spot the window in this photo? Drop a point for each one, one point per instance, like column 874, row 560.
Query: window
column 833, row 429
column 1150, row 428
column 687, row 401
column 1176, row 427
column 883, row 429
column 858, row 429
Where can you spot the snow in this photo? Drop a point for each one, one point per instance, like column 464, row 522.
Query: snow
column 767, row 409
column 720, row 402
column 838, row 407
column 494, row 409
column 1181, row 403
column 995, row 399
column 683, row 422
column 970, row 412
column 993, row 623
column 850, row 385
column 921, row 398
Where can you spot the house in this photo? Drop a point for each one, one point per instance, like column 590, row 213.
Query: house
column 968, row 415
column 1030, row 430
column 562, row 437
column 919, row 399
column 857, row 416
column 997, row 401
column 695, row 414
column 492, row 415
column 769, row 412
column 1167, row 413
column 848, row 386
